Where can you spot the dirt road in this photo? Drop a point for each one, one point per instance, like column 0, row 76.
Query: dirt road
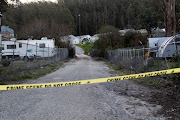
column 84, row 102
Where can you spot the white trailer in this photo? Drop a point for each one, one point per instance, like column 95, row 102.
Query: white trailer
column 30, row 48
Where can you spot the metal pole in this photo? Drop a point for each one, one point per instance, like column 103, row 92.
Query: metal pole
column 36, row 50
column 123, row 55
column 175, row 44
column 26, row 49
column 158, row 54
column 79, row 16
column 0, row 36
column 57, row 55
column 144, row 58
column 13, row 51
column 48, row 54
column 135, row 61
column 43, row 55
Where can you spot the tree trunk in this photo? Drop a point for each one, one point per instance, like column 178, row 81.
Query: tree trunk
column 169, row 4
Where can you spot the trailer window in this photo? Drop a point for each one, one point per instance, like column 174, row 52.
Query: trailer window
column 42, row 45
column 11, row 46
column 20, row 45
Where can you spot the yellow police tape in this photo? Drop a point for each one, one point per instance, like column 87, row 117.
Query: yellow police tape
column 82, row 82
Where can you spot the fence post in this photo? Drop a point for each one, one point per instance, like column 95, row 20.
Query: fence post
column 123, row 55
column 48, row 55
column 144, row 59
column 26, row 54
column 36, row 50
column 43, row 55
column 127, row 54
column 167, row 63
column 54, row 55
column 59, row 54
column 158, row 55
column 135, row 61
column 131, row 54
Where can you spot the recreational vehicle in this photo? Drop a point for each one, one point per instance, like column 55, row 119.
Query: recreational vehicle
column 164, row 46
column 28, row 48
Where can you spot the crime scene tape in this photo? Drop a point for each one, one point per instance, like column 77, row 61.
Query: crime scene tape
column 82, row 82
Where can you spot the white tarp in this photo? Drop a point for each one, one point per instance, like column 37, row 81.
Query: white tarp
column 153, row 42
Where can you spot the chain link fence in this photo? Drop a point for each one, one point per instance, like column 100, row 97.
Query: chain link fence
column 136, row 60
column 31, row 56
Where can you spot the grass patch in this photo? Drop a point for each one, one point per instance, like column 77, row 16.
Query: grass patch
column 117, row 67
column 85, row 47
column 45, row 71
column 24, row 77
column 37, row 73
column 175, row 77
column 17, row 75
column 2, row 83
column 153, row 82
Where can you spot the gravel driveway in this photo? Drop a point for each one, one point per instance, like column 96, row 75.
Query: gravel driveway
column 84, row 102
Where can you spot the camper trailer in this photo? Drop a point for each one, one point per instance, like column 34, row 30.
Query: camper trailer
column 28, row 49
column 164, row 46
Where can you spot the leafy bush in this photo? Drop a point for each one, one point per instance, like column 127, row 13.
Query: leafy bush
column 176, row 77
column 5, row 62
column 111, row 39
column 25, row 77
column 132, row 39
column 176, row 57
column 98, row 53
column 86, row 47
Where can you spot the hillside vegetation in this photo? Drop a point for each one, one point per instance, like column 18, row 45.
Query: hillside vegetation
column 84, row 16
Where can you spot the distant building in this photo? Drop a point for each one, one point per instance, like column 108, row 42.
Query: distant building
column 6, row 32
column 157, row 32
column 123, row 32
column 142, row 31
column 80, row 39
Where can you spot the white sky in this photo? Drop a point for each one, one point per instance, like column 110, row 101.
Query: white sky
column 26, row 1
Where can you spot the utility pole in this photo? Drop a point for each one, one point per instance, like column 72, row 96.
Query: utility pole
column 79, row 17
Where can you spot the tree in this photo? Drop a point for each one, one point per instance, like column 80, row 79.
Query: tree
column 31, row 19
column 169, row 16
column 44, row 27
column 3, row 6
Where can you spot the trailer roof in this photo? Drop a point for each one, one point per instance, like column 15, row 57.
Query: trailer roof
column 154, row 41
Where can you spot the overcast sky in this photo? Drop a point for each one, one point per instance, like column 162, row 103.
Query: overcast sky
column 26, row 1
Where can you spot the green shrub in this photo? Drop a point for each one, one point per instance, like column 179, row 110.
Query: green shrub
column 6, row 62
column 176, row 57
column 25, row 77
column 175, row 77
column 86, row 47
column 2, row 83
